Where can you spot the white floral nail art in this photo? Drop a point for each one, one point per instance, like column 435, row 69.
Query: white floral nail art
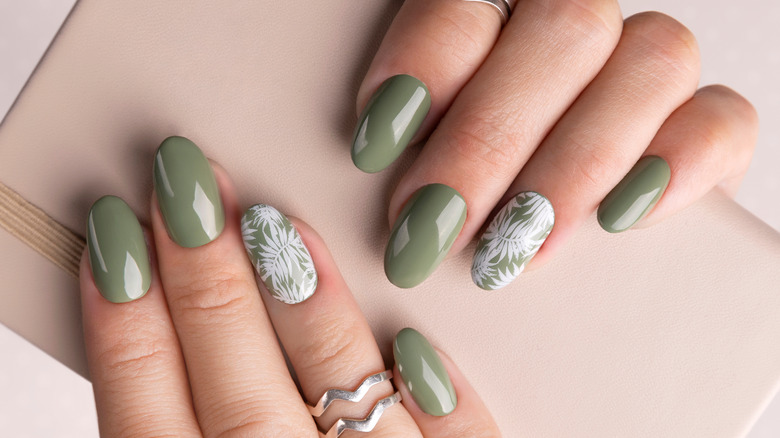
column 278, row 254
column 511, row 240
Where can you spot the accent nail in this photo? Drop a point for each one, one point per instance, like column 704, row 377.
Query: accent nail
column 423, row 373
column 187, row 193
column 511, row 240
column 278, row 254
column 635, row 195
column 423, row 234
column 391, row 118
column 117, row 251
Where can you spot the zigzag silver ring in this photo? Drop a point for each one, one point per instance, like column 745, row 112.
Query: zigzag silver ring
column 504, row 7
column 365, row 425
column 355, row 396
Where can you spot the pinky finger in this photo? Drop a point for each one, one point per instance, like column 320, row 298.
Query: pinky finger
column 707, row 143
column 436, row 394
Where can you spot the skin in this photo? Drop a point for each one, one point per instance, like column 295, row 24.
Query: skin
column 505, row 122
column 206, row 337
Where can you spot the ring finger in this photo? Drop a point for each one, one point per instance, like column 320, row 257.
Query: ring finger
column 327, row 339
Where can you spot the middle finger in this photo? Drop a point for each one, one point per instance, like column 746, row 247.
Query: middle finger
column 239, row 379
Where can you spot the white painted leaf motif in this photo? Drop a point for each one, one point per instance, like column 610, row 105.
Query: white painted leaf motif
column 281, row 259
column 511, row 240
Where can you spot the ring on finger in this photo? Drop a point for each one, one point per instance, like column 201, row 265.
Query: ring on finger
column 504, row 7
column 366, row 424
column 361, row 425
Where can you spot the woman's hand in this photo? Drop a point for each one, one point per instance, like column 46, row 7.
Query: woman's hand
column 566, row 110
column 195, row 348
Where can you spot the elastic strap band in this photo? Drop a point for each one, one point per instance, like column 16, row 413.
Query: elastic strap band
column 38, row 230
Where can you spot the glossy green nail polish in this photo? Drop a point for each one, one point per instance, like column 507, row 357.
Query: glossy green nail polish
column 187, row 193
column 512, row 240
column 423, row 373
column 278, row 254
column 635, row 195
column 423, row 234
column 117, row 251
column 390, row 120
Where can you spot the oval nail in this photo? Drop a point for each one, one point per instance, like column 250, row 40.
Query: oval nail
column 511, row 240
column 187, row 193
column 117, row 251
column 423, row 234
column 391, row 118
column 635, row 195
column 278, row 254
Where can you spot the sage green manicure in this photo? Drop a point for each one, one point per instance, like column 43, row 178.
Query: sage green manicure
column 278, row 254
column 423, row 234
column 390, row 120
column 635, row 195
column 187, row 193
column 511, row 240
column 423, row 373
column 117, row 251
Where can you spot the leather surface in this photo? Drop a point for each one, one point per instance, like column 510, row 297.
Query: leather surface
column 670, row 331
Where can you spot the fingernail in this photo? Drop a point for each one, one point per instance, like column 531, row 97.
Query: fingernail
column 278, row 254
column 117, row 251
column 187, row 193
column 423, row 234
column 390, row 120
column 635, row 195
column 423, row 373
column 512, row 240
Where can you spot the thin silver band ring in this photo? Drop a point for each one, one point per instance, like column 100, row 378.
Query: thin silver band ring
column 365, row 425
column 504, row 7
column 355, row 396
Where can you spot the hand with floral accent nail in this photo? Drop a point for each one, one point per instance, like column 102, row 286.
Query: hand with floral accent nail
column 532, row 127
column 183, row 340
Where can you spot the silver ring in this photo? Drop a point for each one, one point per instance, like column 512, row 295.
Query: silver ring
column 355, row 396
column 504, row 7
column 367, row 424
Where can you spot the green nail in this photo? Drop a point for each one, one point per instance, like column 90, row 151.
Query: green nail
column 278, row 254
column 635, row 195
column 512, row 240
column 423, row 234
column 117, row 251
column 423, row 373
column 187, row 193
column 390, row 120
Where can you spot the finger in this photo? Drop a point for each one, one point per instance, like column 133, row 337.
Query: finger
column 546, row 55
column 433, row 43
column 654, row 69
column 436, row 394
column 326, row 337
column 707, row 142
column 134, row 359
column 239, row 379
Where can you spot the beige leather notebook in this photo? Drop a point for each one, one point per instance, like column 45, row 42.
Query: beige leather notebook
column 666, row 332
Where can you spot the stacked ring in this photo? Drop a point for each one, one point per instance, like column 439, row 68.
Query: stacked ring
column 360, row 425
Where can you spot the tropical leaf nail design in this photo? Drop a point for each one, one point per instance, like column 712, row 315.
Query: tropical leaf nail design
column 278, row 254
column 511, row 240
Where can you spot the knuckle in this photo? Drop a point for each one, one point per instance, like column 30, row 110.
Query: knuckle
column 666, row 42
column 256, row 424
column 736, row 104
column 488, row 144
column 220, row 294
column 134, row 356
column 595, row 19
column 332, row 348
column 589, row 163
